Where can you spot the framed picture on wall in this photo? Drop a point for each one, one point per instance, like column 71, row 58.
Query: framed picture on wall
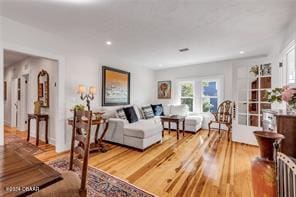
column 164, row 89
column 116, row 87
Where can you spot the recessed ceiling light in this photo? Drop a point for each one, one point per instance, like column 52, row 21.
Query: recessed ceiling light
column 108, row 43
column 241, row 52
column 160, row 65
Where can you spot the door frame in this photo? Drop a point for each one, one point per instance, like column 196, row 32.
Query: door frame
column 13, row 110
column 59, row 109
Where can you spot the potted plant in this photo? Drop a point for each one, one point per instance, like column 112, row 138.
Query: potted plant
column 78, row 107
column 286, row 94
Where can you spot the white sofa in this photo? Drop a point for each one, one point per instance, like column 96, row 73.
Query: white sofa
column 140, row 134
column 193, row 121
column 146, row 132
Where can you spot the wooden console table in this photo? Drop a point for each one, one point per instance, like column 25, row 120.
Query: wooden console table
column 38, row 117
column 175, row 119
column 97, row 145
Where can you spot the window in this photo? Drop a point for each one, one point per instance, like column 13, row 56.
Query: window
column 209, row 96
column 201, row 94
column 290, row 61
column 187, row 94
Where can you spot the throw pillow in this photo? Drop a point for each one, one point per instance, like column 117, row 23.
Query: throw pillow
column 157, row 110
column 121, row 114
column 130, row 114
column 148, row 112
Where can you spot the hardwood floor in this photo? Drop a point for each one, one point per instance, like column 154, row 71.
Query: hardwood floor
column 195, row 165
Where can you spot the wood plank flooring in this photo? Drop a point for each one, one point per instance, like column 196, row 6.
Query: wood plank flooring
column 195, row 165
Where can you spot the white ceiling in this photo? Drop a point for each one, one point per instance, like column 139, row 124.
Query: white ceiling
column 12, row 57
column 150, row 32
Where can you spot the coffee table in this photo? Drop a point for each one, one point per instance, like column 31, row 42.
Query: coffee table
column 175, row 119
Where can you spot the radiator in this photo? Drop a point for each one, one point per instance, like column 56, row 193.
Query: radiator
column 286, row 176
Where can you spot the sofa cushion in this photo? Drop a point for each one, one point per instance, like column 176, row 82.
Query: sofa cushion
column 138, row 112
column 181, row 110
column 131, row 115
column 166, row 109
column 147, row 112
column 157, row 110
column 143, row 128
column 193, row 120
column 120, row 114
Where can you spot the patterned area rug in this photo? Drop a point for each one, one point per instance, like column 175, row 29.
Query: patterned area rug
column 22, row 144
column 102, row 184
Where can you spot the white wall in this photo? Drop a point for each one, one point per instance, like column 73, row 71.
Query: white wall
column 31, row 66
column 80, row 67
column 196, row 71
column 226, row 69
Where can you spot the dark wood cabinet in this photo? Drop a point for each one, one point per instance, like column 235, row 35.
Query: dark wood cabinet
column 286, row 125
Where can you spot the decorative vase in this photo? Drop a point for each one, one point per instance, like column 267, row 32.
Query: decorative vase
column 263, row 167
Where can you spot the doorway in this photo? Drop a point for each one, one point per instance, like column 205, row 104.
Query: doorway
column 20, row 76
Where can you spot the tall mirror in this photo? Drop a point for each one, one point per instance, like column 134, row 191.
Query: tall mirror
column 43, row 88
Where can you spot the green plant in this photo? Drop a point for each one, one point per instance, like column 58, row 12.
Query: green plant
column 274, row 95
column 79, row 107
column 255, row 70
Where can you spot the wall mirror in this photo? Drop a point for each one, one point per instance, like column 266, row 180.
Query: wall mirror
column 43, row 88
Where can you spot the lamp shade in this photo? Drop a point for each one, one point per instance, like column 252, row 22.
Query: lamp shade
column 81, row 89
column 92, row 90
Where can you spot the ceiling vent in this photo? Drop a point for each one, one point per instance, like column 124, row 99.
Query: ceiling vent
column 184, row 49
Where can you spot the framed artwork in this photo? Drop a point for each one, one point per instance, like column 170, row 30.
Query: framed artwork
column 115, row 87
column 5, row 90
column 43, row 88
column 164, row 89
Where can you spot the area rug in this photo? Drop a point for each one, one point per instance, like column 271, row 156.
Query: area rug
column 102, row 184
column 22, row 144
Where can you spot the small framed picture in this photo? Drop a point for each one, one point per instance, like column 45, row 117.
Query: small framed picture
column 164, row 89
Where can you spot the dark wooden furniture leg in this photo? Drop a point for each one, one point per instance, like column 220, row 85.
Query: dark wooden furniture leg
column 46, row 131
column 229, row 128
column 100, row 143
column 219, row 128
column 183, row 128
column 177, row 130
column 37, row 131
column 72, row 143
column 169, row 127
column 29, row 126
column 162, row 122
column 97, row 133
column 209, row 128
column 103, row 134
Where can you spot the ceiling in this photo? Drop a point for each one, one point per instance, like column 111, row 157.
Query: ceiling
column 12, row 57
column 150, row 33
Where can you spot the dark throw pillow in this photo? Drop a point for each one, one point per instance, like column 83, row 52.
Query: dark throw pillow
column 157, row 110
column 130, row 114
column 121, row 114
column 147, row 112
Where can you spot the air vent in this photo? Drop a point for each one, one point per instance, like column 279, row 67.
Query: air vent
column 184, row 49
